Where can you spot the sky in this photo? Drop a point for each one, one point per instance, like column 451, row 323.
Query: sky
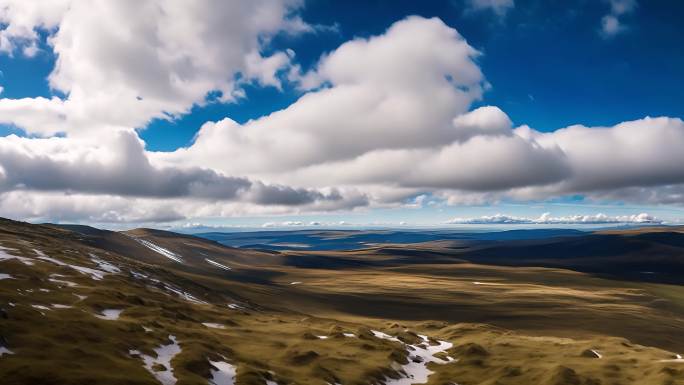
column 292, row 113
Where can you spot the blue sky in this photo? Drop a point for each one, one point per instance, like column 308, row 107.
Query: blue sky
column 543, row 65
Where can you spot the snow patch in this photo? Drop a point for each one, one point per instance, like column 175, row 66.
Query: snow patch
column 41, row 307
column 165, row 354
column 93, row 273
column 104, row 265
column 213, row 325
column 110, row 314
column 61, row 281
column 295, row 283
column 224, row 374
column 59, row 306
column 419, row 356
column 4, row 350
column 5, row 256
column 5, row 276
column 384, row 336
column 678, row 358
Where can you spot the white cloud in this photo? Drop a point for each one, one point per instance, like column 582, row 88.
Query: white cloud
column 511, row 162
column 42, row 206
column 116, row 164
column 65, row 207
column 499, row 7
column 395, row 113
column 23, row 18
column 621, row 7
column 397, row 90
column 284, row 224
column 644, row 152
column 417, row 202
column 123, row 63
column 46, row 116
column 610, row 23
column 547, row 219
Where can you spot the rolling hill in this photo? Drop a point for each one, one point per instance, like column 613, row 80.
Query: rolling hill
column 83, row 305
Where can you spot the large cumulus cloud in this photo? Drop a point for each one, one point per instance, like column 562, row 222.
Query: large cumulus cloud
column 398, row 90
column 122, row 63
column 393, row 110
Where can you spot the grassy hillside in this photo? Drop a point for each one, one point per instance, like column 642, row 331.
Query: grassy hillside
column 85, row 306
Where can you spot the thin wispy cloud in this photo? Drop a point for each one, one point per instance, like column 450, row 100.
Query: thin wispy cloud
column 548, row 219
column 499, row 7
column 612, row 23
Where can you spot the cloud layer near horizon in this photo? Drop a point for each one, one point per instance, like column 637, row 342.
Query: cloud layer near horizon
column 547, row 219
column 381, row 121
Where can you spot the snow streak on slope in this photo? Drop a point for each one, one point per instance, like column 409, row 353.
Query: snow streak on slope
column 175, row 290
column 55, row 278
column 160, row 250
column 213, row 325
column 224, row 267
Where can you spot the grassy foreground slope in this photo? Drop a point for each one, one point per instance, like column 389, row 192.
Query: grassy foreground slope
column 85, row 306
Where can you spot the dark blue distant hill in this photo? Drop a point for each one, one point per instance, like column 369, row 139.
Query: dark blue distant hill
column 359, row 239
